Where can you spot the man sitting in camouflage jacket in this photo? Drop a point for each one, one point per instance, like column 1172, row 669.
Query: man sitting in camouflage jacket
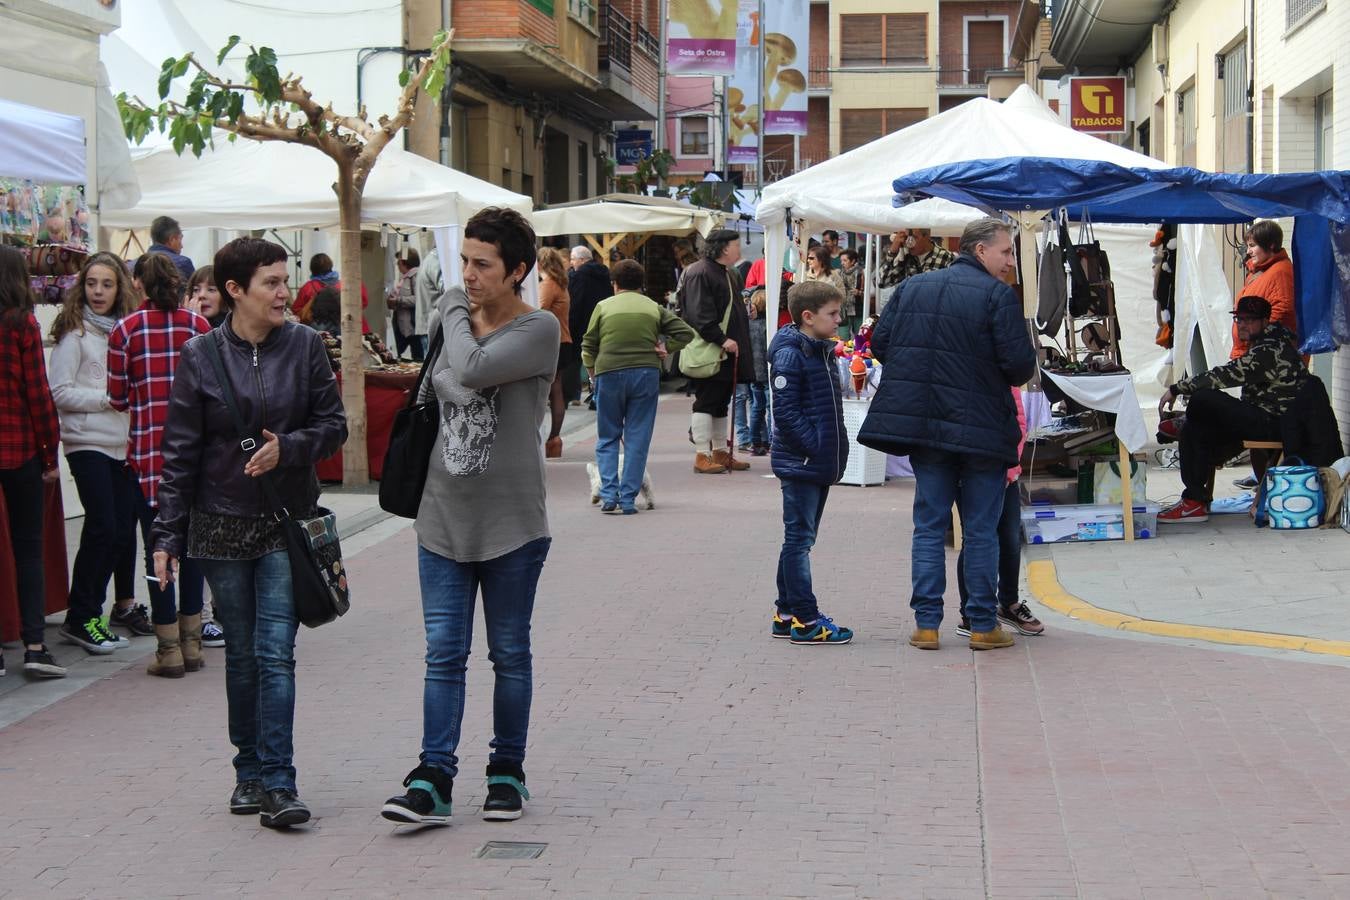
column 1216, row 424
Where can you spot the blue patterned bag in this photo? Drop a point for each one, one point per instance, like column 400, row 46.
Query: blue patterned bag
column 1291, row 497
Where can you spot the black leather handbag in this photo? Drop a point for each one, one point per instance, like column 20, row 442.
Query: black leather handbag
column 319, row 586
column 411, row 441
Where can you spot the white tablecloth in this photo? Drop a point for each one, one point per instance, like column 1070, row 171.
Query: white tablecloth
column 1108, row 393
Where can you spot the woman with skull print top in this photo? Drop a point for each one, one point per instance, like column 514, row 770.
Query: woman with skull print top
column 482, row 522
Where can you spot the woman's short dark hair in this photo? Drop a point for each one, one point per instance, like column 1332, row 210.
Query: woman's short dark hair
column 327, row 306
column 850, row 253
column 1267, row 235
column 238, row 260
column 628, row 274
column 509, row 232
column 319, row 264
column 160, row 280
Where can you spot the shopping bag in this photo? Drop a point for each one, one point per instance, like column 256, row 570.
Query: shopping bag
column 1291, row 497
column 1108, row 487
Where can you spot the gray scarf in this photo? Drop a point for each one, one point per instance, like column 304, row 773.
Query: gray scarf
column 101, row 324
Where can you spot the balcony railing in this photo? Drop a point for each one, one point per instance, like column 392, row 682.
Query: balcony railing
column 819, row 72
column 648, row 43
column 616, row 38
column 958, row 70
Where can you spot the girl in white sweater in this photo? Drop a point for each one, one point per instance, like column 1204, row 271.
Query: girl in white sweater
column 94, row 436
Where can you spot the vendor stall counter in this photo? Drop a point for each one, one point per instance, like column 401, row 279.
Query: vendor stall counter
column 386, row 393
column 1114, row 394
column 54, row 570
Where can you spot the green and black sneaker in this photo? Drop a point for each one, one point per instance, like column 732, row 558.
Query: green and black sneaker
column 427, row 801
column 506, row 794
column 781, row 627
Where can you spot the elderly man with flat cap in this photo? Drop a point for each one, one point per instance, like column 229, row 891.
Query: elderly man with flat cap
column 708, row 287
column 1269, row 372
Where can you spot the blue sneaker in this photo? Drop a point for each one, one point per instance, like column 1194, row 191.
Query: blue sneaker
column 821, row 631
column 610, row 508
column 781, row 627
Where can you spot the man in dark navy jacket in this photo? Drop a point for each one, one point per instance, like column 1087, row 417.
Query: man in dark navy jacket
column 952, row 342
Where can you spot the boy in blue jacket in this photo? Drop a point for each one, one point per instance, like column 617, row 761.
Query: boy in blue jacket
column 810, row 451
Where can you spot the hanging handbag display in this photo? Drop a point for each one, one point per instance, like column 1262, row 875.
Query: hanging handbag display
column 1052, row 287
column 319, row 586
column 1091, row 293
column 411, row 442
column 700, row 359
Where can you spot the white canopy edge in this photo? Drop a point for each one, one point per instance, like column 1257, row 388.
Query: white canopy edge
column 41, row 145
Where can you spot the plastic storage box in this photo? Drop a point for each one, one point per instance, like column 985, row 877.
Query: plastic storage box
column 1048, row 524
column 865, row 465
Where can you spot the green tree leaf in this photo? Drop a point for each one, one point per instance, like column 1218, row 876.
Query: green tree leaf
column 166, row 76
column 225, row 51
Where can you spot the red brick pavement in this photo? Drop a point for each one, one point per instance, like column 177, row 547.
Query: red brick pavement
column 677, row 751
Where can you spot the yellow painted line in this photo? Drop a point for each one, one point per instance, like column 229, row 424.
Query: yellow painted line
column 1045, row 587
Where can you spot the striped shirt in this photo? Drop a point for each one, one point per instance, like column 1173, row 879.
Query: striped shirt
column 143, row 353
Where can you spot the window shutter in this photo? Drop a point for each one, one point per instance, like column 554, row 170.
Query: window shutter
column 858, row 126
column 906, row 39
column 860, row 40
column 895, row 119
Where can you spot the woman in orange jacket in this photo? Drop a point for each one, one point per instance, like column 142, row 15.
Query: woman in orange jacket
column 1270, row 276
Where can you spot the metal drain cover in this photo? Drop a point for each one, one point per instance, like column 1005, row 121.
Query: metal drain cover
column 510, row 850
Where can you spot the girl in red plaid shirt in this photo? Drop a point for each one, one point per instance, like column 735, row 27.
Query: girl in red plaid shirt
column 29, row 433
column 143, row 353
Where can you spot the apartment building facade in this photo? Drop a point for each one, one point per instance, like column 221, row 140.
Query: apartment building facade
column 536, row 89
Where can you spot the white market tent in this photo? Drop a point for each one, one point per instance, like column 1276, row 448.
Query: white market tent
column 41, row 145
column 853, row 192
column 625, row 214
column 251, row 185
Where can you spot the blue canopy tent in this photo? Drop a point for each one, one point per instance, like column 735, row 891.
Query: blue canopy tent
column 1319, row 203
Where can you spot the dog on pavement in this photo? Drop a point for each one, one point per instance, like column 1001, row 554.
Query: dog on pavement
column 645, row 495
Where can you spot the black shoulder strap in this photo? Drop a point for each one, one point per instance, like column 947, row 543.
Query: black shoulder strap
column 428, row 358
column 247, row 442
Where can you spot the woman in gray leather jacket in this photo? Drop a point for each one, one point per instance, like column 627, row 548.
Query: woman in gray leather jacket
column 212, row 508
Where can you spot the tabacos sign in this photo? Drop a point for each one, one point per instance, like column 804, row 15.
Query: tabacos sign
column 1097, row 105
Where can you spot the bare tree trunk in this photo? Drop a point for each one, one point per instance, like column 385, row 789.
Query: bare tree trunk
column 355, row 466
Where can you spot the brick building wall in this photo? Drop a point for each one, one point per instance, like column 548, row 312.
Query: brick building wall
column 504, row 19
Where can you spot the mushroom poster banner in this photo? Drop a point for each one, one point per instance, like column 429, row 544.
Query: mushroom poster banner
column 787, row 36
column 701, row 37
column 743, row 89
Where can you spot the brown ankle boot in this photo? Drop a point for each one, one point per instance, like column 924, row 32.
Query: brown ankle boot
column 168, row 661
column 990, row 640
column 924, row 638
column 707, row 465
column 190, row 641
column 729, row 462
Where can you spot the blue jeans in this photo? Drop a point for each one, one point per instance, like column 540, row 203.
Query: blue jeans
column 449, row 589
column 977, row 485
column 189, row 585
column 803, row 505
column 752, row 414
column 109, row 495
column 625, row 408
column 253, row 601
column 1009, row 552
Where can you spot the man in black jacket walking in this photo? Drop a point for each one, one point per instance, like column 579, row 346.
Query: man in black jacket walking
column 587, row 284
column 952, row 343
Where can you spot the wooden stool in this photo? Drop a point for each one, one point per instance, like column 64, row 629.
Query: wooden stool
column 1264, row 455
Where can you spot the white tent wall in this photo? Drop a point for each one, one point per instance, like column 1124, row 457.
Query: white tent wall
column 1204, row 297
